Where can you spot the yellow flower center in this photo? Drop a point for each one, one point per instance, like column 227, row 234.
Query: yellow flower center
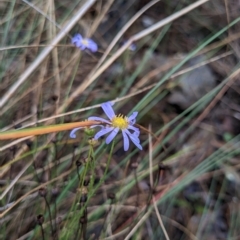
column 84, row 42
column 120, row 122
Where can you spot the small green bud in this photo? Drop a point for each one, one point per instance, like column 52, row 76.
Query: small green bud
column 89, row 132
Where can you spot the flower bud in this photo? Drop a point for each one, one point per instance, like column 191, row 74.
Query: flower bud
column 42, row 192
column 83, row 192
column 93, row 142
column 134, row 165
column 111, row 196
column 90, row 132
column 40, row 219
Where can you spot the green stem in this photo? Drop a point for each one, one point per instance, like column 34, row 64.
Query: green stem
column 102, row 179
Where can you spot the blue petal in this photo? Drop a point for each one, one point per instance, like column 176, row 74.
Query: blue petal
column 107, row 108
column 99, row 119
column 135, row 129
column 135, row 135
column 138, row 145
column 125, row 141
column 132, row 118
column 73, row 132
column 132, row 47
column 82, row 46
column 112, row 135
column 93, row 126
column 103, row 132
column 77, row 40
column 92, row 45
column 134, row 139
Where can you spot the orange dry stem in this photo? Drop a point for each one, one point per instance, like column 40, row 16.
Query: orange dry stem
column 45, row 129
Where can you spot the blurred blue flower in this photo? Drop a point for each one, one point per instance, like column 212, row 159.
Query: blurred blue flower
column 84, row 43
column 117, row 123
column 132, row 46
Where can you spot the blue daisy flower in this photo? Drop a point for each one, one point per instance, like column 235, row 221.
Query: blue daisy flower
column 115, row 124
column 84, row 43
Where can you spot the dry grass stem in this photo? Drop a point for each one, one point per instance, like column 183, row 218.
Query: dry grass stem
column 68, row 26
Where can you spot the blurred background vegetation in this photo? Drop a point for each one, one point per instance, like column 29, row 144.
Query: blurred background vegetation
column 178, row 66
